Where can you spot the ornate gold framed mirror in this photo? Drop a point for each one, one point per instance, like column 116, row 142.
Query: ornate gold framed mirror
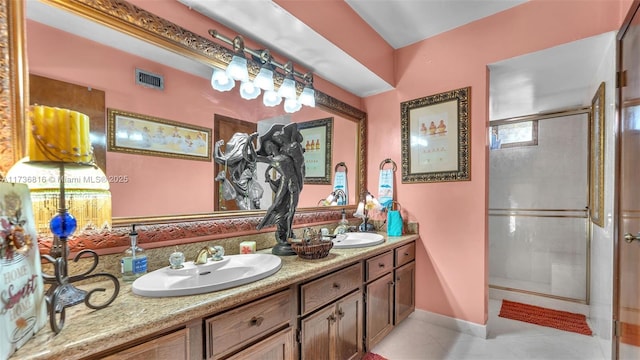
column 136, row 22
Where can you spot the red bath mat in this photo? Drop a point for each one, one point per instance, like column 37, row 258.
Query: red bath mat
column 562, row 320
column 372, row 356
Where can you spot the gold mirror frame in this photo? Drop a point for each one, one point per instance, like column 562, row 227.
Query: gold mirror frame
column 13, row 76
column 131, row 20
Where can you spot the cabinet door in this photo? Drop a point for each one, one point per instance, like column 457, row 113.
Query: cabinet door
column 379, row 311
column 405, row 302
column 317, row 332
column 174, row 346
column 349, row 327
column 277, row 347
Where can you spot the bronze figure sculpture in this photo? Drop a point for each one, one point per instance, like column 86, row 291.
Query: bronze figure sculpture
column 281, row 149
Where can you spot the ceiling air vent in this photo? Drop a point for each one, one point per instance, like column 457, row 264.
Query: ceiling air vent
column 148, row 79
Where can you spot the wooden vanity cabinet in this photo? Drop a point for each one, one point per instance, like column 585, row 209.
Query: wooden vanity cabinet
column 405, row 282
column 379, row 292
column 405, row 292
column 389, row 292
column 332, row 316
column 251, row 326
column 181, row 343
column 279, row 346
column 335, row 331
column 173, row 346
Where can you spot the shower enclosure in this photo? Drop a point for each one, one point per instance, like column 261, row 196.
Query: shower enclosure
column 538, row 205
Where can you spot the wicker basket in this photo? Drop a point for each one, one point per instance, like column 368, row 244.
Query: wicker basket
column 315, row 249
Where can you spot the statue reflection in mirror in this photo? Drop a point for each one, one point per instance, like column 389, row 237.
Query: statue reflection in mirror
column 244, row 186
column 282, row 151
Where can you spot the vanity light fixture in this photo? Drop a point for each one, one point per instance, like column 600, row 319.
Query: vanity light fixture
column 264, row 81
column 237, row 68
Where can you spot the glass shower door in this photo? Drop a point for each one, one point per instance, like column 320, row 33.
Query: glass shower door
column 538, row 219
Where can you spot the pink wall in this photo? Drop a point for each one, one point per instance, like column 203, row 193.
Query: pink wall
column 346, row 30
column 186, row 98
column 452, row 270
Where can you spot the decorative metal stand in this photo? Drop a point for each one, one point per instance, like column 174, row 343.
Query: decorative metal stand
column 62, row 293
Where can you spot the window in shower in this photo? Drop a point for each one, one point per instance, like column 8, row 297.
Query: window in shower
column 512, row 134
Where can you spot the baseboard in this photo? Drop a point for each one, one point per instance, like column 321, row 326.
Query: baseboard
column 463, row 326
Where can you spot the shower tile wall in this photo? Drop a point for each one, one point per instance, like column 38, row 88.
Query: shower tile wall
column 537, row 218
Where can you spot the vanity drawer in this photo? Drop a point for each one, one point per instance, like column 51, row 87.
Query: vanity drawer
column 379, row 265
column 405, row 253
column 238, row 327
column 330, row 287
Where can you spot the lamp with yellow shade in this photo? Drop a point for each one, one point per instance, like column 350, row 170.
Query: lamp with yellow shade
column 60, row 170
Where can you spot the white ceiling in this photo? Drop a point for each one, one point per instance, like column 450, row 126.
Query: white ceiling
column 269, row 24
column 423, row 19
column 534, row 82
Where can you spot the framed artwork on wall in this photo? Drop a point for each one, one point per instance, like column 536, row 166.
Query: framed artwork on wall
column 436, row 137
column 318, row 149
column 147, row 135
column 596, row 151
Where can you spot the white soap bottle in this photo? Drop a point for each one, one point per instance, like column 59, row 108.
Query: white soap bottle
column 134, row 260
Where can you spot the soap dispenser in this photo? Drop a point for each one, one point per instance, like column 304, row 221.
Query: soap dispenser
column 343, row 226
column 134, row 260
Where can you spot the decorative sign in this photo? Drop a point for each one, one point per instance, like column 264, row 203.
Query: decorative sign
column 23, row 309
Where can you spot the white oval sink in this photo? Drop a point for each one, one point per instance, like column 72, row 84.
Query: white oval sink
column 233, row 270
column 356, row 240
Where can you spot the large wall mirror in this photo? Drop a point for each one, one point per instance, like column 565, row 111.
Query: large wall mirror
column 99, row 45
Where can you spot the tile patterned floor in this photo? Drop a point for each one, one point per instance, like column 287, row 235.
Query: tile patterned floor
column 415, row 339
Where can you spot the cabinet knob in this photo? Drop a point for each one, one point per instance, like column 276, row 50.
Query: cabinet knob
column 331, row 318
column 256, row 321
column 390, row 283
column 336, row 285
column 340, row 313
column 380, row 265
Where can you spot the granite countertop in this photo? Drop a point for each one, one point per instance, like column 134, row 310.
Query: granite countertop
column 131, row 316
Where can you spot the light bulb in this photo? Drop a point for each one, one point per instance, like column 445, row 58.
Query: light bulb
column 308, row 97
column 360, row 210
column 288, row 88
column 220, row 81
column 248, row 90
column 291, row 105
column 271, row 98
column 330, row 198
column 264, row 79
column 237, row 68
